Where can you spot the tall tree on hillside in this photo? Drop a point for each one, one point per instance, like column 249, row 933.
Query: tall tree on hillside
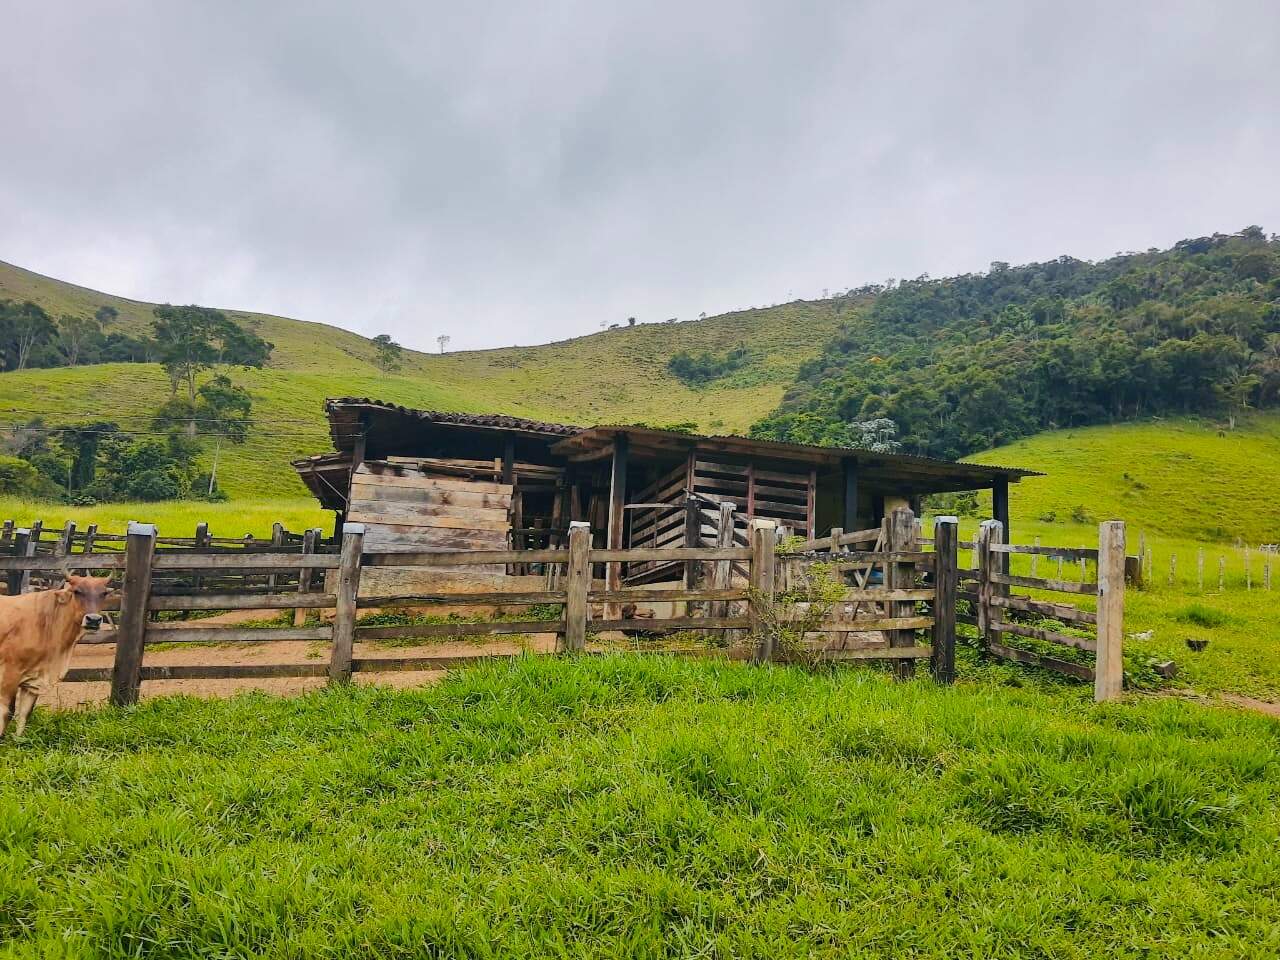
column 106, row 315
column 389, row 352
column 24, row 328
column 77, row 333
column 191, row 339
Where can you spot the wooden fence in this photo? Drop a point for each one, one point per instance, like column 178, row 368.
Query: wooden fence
column 731, row 597
column 998, row 613
column 898, row 600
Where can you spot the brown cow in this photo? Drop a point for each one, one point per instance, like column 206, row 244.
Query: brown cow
column 37, row 632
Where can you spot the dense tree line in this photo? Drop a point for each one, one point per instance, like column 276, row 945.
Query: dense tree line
column 30, row 337
column 971, row 362
column 156, row 459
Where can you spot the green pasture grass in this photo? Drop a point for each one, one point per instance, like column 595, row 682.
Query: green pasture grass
column 1241, row 623
column 175, row 518
column 1182, row 479
column 627, row 806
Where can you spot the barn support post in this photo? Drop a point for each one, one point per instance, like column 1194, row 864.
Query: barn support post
column 344, row 606
column 991, row 532
column 946, row 542
column 763, row 539
column 617, row 520
column 131, row 629
column 577, row 586
column 849, row 468
column 901, row 576
column 1108, row 675
column 1000, row 512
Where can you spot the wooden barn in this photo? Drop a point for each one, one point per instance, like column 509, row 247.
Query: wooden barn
column 423, row 478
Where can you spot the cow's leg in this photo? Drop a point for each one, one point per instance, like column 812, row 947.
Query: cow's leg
column 27, row 698
column 8, row 697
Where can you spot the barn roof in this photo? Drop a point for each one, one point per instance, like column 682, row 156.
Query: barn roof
column 345, row 412
column 349, row 417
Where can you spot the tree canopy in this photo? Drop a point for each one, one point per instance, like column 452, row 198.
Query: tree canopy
column 971, row 362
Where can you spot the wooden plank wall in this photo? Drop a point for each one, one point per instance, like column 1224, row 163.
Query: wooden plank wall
column 784, row 496
column 405, row 509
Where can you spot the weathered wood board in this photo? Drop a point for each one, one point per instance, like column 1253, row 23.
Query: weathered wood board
column 405, row 509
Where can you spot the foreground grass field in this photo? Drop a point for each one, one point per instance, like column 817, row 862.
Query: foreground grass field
column 644, row 807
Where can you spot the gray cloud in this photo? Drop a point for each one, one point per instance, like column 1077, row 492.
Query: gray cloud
column 521, row 173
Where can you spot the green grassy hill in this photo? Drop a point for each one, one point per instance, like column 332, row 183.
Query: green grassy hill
column 1184, row 479
column 618, row 376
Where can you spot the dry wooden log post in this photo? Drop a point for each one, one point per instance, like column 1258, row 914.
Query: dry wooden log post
column 1222, row 573
column 1108, row 671
column 763, row 587
column 946, row 539
column 63, row 547
column 23, row 546
column 200, row 545
column 6, row 534
column 901, row 576
column 131, row 625
column 90, row 535
column 277, row 541
column 1200, row 569
column 840, row 610
column 991, row 532
column 1035, row 559
column 309, row 540
column 577, row 586
column 1248, row 570
column 347, row 591
column 722, row 570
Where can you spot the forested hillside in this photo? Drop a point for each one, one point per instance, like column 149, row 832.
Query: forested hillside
column 615, row 376
column 972, row 362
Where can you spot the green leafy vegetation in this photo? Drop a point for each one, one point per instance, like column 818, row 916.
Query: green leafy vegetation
column 697, row 369
column 646, row 807
column 972, row 362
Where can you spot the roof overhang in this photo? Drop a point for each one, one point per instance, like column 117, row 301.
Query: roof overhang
column 910, row 473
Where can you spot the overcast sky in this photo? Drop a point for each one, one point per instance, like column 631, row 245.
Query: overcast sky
column 519, row 173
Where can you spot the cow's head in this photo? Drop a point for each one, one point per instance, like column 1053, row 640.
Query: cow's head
column 88, row 593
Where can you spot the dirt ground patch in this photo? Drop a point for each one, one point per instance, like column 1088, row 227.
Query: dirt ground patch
column 67, row 696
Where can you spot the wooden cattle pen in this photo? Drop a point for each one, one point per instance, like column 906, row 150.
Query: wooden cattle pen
column 901, row 597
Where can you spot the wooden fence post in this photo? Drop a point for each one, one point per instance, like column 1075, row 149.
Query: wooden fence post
column 902, row 576
column 63, row 547
column 946, row 540
column 309, row 540
column 577, row 586
column 23, row 546
column 277, row 541
column 1108, row 680
column 344, row 607
column 722, row 570
column 763, row 570
column 90, row 535
column 991, row 532
column 131, row 629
